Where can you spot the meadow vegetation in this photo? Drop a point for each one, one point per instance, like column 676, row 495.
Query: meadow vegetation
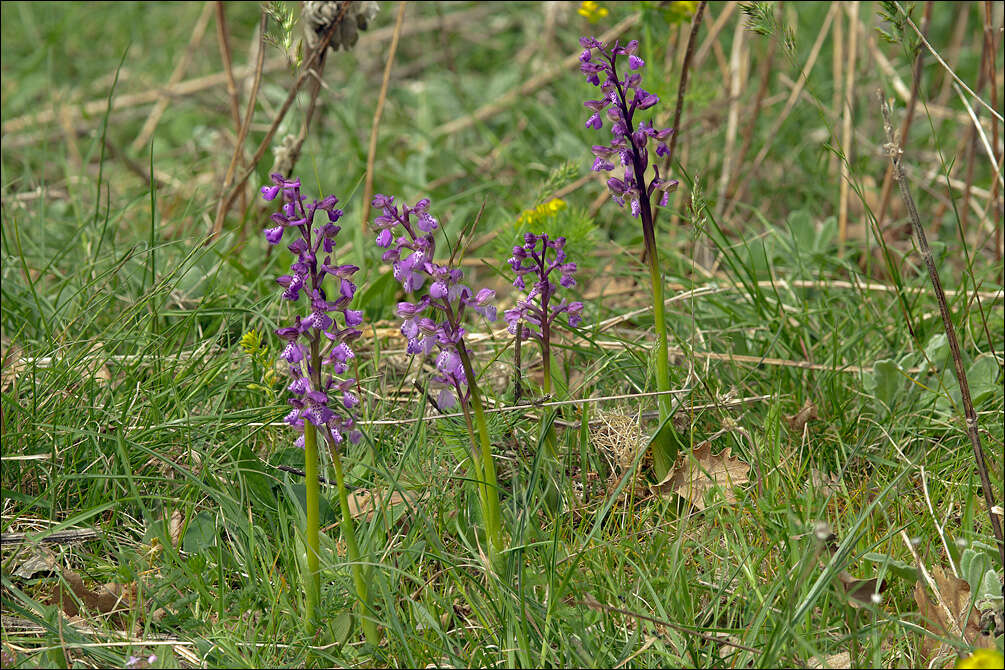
column 826, row 507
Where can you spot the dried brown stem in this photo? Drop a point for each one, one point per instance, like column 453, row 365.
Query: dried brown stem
column 317, row 74
column 682, row 86
column 991, row 49
column 896, row 156
column 227, row 200
column 847, row 104
column 371, row 155
column 908, row 117
column 748, row 131
column 242, row 133
column 789, row 104
column 223, row 38
column 713, row 33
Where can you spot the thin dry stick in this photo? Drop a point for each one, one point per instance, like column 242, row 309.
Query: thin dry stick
column 963, row 85
column 789, row 104
column 179, row 72
column 837, row 66
column 223, row 38
column 713, row 33
column 908, row 117
column 953, row 52
column 675, row 123
column 317, row 74
column 682, row 86
column 381, row 99
column 996, row 190
column 736, row 81
column 228, row 200
column 748, row 130
column 849, row 94
column 243, row 132
column 896, row 156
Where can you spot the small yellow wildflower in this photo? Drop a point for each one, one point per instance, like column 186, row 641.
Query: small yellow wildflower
column 251, row 342
column 592, row 11
column 982, row 658
column 678, row 12
column 542, row 211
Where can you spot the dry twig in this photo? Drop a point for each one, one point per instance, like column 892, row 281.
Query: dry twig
column 895, row 152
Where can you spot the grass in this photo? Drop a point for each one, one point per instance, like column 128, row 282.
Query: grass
column 128, row 400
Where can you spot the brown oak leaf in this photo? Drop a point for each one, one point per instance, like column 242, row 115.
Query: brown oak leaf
column 700, row 471
column 947, row 616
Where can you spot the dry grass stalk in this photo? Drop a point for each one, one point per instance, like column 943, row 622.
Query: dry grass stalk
column 736, row 81
column 846, row 136
column 895, row 153
column 682, row 86
column 308, row 70
column 766, row 68
column 837, row 67
column 223, row 38
column 789, row 104
column 713, row 33
column 225, row 200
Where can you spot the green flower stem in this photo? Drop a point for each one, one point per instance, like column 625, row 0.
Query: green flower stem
column 549, row 441
column 312, row 580
column 665, row 446
column 666, row 443
column 349, row 533
column 476, row 458
column 490, row 500
column 552, row 496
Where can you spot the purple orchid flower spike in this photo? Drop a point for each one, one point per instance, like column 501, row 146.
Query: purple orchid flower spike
column 317, row 394
column 621, row 99
column 538, row 311
column 434, row 319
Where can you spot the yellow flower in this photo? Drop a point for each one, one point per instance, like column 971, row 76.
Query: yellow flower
column 678, row 12
column 542, row 211
column 251, row 342
column 982, row 658
column 592, row 11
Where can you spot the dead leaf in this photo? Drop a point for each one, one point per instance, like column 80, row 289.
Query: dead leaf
column 38, row 560
column 11, row 366
column 797, row 422
column 365, row 503
column 104, row 599
column 861, row 592
column 948, row 616
column 174, row 527
column 696, row 473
